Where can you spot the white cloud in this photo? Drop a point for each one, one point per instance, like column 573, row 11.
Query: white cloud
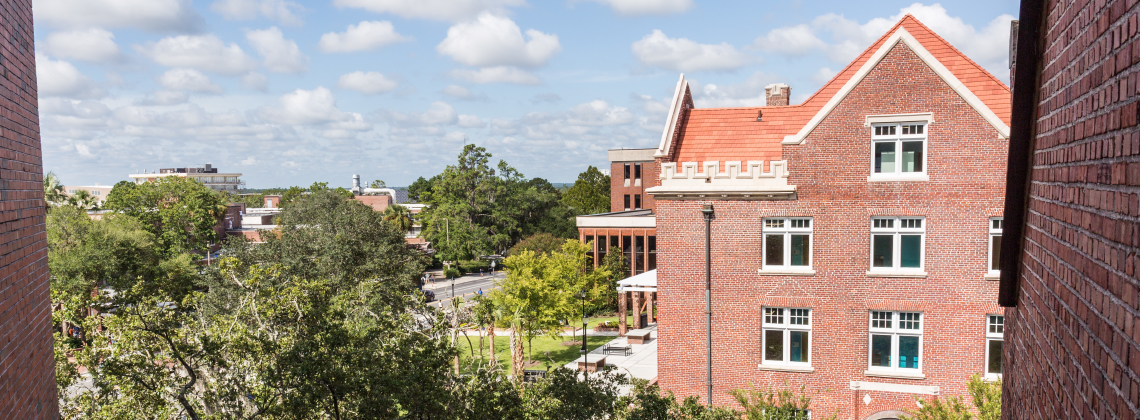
column 281, row 55
column 492, row 40
column 438, row 113
column 823, row 75
column 471, row 121
column 369, row 83
column 987, row 46
column 647, row 7
column 148, row 15
column 280, row 10
column 93, row 45
column 684, row 55
column 187, row 79
column 164, row 98
column 315, row 107
column 497, row 75
column 367, row 35
column 446, row 10
column 61, row 78
column 748, row 93
column 599, row 112
column 202, row 52
column 793, row 40
column 255, row 81
column 460, row 92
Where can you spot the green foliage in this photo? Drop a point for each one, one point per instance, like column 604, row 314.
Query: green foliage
column 590, row 193
column 251, row 201
column 399, row 216
column 539, row 243
column 419, row 190
column 294, row 193
column 562, row 396
column 325, row 235
column 379, row 183
column 617, row 269
column 772, row 404
column 53, row 190
column 116, row 251
column 477, row 210
column 83, row 200
column 473, row 266
column 452, row 272
column 180, row 212
column 986, row 397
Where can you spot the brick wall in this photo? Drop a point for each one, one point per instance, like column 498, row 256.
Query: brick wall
column 1073, row 338
column 966, row 165
column 27, row 367
column 619, row 189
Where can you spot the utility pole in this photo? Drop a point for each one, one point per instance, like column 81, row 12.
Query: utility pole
column 707, row 211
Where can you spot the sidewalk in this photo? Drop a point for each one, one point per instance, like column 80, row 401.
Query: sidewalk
column 641, row 364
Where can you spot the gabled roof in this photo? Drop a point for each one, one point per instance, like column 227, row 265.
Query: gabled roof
column 725, row 134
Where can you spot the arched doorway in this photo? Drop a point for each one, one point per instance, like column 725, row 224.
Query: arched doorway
column 887, row 415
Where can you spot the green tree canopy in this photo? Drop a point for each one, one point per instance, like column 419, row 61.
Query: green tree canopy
column 180, row 212
column 590, row 193
column 539, row 243
column 399, row 216
column 53, row 190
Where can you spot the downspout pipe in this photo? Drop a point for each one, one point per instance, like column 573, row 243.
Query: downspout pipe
column 707, row 212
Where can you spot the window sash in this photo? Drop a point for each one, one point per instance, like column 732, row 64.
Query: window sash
column 787, row 243
column 898, row 243
column 893, row 152
column 994, row 243
column 784, row 342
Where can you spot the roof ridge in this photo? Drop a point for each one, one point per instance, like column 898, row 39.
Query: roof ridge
column 851, row 65
column 953, row 48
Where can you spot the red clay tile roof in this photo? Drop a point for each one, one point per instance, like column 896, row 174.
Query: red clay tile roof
column 733, row 134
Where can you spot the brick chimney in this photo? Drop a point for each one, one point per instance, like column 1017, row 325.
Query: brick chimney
column 777, row 94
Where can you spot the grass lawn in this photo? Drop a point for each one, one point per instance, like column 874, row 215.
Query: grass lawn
column 559, row 354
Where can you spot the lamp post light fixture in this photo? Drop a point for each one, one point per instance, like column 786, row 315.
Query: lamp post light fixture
column 707, row 212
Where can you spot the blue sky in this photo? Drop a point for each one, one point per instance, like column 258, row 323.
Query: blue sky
column 289, row 92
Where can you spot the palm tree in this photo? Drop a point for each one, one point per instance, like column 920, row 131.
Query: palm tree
column 399, row 216
column 84, row 200
column 53, row 190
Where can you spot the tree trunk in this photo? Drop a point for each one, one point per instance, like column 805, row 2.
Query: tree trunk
column 491, row 336
column 516, row 353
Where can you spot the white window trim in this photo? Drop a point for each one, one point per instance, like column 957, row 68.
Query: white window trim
column 898, row 174
column 786, row 327
column 787, row 231
column 989, row 246
column 897, row 231
column 895, row 332
column 989, row 337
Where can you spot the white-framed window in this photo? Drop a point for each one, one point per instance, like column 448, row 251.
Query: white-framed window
column 898, row 148
column 895, row 341
column 786, row 336
column 72, row 191
column 788, row 243
column 96, row 192
column 996, row 224
column 898, row 243
column 995, row 338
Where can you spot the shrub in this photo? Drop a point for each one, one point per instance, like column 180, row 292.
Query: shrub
column 452, row 272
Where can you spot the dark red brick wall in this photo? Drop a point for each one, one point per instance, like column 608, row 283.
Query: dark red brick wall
column 1072, row 347
column 966, row 165
column 27, row 366
column 618, row 189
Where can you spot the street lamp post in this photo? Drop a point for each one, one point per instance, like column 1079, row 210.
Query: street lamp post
column 707, row 212
column 582, row 295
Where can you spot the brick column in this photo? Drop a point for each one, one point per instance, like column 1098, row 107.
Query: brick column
column 637, row 310
column 621, row 313
column 27, row 367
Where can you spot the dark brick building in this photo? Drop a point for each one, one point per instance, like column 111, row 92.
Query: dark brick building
column 27, row 365
column 852, row 237
column 1069, row 268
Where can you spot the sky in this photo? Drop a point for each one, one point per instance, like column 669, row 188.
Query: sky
column 291, row 92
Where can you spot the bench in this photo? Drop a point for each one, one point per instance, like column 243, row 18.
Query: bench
column 637, row 337
column 620, row 350
column 533, row 375
column 587, row 365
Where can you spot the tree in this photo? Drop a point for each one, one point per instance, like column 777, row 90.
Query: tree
column 540, row 291
column 53, row 190
column 399, row 216
column 83, row 200
column 617, row 269
column 985, row 395
column 539, row 243
column 590, row 193
column 180, row 212
column 379, row 183
column 419, row 190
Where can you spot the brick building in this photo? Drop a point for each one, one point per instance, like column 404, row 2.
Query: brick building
column 629, row 226
column 1068, row 274
column 852, row 233
column 27, row 366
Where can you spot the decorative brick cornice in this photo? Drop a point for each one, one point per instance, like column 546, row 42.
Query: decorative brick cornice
column 738, row 182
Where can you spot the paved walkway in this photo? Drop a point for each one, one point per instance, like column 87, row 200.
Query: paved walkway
column 642, row 363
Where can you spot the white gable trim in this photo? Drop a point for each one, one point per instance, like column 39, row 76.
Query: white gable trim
column 674, row 115
column 901, row 35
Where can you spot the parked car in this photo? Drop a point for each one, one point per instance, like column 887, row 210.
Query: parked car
column 429, row 295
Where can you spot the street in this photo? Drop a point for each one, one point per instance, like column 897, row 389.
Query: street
column 469, row 284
